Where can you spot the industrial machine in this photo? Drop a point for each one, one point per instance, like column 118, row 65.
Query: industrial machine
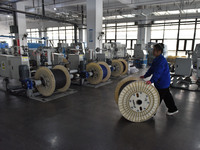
column 44, row 83
column 136, row 100
column 140, row 55
column 80, row 64
column 187, row 71
column 195, row 55
column 114, row 50
column 95, row 72
column 4, row 48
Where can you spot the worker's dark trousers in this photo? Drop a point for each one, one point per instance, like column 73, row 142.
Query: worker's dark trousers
column 168, row 99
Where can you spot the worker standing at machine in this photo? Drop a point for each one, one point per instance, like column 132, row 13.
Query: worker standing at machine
column 161, row 78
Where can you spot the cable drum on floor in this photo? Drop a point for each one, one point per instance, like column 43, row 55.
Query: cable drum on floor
column 57, row 78
column 137, row 101
column 122, row 84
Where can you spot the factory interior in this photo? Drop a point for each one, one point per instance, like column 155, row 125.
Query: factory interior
column 99, row 74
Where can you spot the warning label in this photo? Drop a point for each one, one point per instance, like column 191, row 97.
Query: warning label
column 3, row 65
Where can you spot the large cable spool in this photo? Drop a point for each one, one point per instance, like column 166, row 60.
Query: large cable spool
column 122, row 84
column 96, row 71
column 67, row 78
column 137, row 101
column 125, row 66
column 117, row 68
column 106, row 71
column 57, row 78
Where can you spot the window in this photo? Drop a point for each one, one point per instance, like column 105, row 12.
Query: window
column 125, row 33
column 62, row 34
column 168, row 31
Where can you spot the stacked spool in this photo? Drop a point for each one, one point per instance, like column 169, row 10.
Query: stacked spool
column 136, row 100
column 120, row 67
column 99, row 72
column 56, row 79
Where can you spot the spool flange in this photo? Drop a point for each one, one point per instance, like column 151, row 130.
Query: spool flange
column 125, row 65
column 48, row 81
column 122, row 84
column 97, row 73
column 118, row 68
column 108, row 71
column 138, row 101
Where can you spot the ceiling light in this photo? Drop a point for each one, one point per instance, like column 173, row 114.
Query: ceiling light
column 54, row 8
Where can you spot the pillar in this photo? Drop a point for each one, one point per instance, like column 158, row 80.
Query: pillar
column 82, row 34
column 20, row 22
column 144, row 30
column 94, row 23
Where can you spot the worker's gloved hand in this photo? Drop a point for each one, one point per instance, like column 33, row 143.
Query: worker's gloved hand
column 148, row 82
column 142, row 77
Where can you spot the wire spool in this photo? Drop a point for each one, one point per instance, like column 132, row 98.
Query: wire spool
column 118, row 68
column 125, row 65
column 138, row 101
column 106, row 71
column 67, row 78
column 122, row 84
column 97, row 73
column 56, row 79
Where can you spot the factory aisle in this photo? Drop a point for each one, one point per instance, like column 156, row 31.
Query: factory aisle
column 90, row 120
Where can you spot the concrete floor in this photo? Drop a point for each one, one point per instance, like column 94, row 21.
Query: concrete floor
column 90, row 120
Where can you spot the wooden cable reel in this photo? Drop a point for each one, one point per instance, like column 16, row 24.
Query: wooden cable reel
column 97, row 73
column 106, row 71
column 136, row 100
column 100, row 72
column 117, row 68
column 125, row 66
column 54, row 79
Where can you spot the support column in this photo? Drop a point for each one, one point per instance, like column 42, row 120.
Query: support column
column 75, row 33
column 20, row 22
column 45, row 36
column 94, row 23
column 144, row 30
column 82, row 34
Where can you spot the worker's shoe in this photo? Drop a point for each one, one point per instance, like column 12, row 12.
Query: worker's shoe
column 172, row 113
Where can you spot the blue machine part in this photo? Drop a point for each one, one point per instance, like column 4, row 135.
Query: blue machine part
column 85, row 75
column 105, row 72
column 111, row 68
column 35, row 45
column 64, row 51
column 140, row 63
column 3, row 45
column 29, row 83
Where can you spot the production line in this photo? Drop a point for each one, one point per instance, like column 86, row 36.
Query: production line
column 46, row 72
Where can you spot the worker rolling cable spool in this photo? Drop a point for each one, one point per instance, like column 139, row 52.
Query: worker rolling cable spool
column 138, row 100
column 161, row 78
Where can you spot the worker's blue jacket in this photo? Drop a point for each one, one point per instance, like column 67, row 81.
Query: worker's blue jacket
column 160, row 71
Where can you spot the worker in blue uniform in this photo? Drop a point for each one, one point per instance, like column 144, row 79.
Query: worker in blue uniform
column 161, row 78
